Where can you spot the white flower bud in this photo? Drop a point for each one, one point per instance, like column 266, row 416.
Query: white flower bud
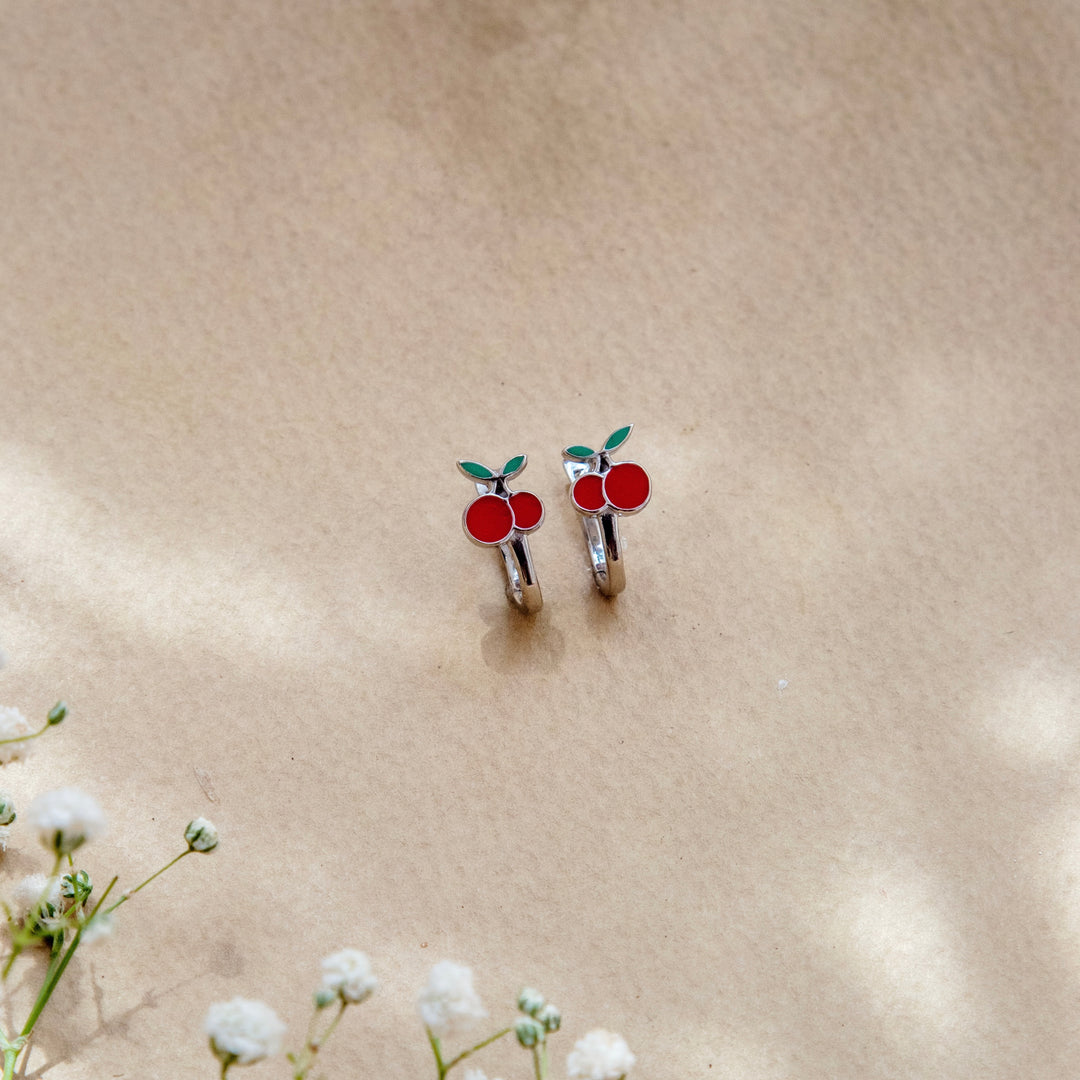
column 528, row 1031
column 7, row 809
column 201, row 835
column 324, row 997
column 550, row 1017
column 530, row 1001
column 57, row 713
column 76, row 887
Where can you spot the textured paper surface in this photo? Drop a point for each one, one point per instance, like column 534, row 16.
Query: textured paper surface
column 269, row 269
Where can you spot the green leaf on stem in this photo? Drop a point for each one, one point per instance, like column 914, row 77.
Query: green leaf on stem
column 475, row 470
column 514, row 465
column 579, row 452
column 617, row 438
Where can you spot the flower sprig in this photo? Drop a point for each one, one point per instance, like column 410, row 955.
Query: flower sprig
column 15, row 733
column 242, row 1032
column 58, row 910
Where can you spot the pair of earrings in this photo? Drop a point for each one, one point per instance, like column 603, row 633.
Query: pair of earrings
column 601, row 491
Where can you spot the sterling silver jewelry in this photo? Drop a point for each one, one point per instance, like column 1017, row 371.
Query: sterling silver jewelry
column 602, row 491
column 501, row 518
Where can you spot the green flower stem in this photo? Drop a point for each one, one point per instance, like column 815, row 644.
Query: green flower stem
column 27, row 738
column 436, row 1049
column 540, row 1060
column 132, row 892
column 472, row 1050
column 56, row 972
column 11, row 1054
column 226, row 1061
column 314, row 1044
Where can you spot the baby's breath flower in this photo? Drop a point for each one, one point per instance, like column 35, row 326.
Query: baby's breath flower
column 37, row 904
column 600, row 1055
column 475, row 1074
column 31, row 889
column 348, row 974
column 530, row 1001
column 243, row 1031
column 528, row 1031
column 65, row 819
column 449, row 1002
column 550, row 1017
column 100, row 926
column 7, row 809
column 201, row 835
column 13, row 725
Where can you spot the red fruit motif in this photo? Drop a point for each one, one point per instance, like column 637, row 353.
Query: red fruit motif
column 588, row 493
column 626, row 487
column 621, row 486
column 489, row 519
column 528, row 511
column 495, row 517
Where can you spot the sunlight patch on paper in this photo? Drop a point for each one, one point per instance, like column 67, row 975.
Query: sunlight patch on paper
column 907, row 954
column 68, row 545
column 1035, row 710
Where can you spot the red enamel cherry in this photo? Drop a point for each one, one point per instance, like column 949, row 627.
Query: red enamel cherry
column 626, row 486
column 587, row 494
column 489, row 520
column 528, row 510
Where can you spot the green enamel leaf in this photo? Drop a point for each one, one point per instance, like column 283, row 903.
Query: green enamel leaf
column 579, row 452
column 515, row 464
column 617, row 438
column 475, row 470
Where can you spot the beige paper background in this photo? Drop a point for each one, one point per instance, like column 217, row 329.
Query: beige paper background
column 269, row 269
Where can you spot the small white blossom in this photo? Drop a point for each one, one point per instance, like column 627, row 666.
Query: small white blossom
column 244, row 1031
column 31, row 889
column 600, row 1055
column 475, row 1074
column 12, row 725
column 449, row 1002
column 5, row 836
column 201, row 835
column 100, row 926
column 65, row 819
column 7, row 808
column 348, row 973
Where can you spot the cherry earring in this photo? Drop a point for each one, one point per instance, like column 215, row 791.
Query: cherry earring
column 602, row 491
column 502, row 518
